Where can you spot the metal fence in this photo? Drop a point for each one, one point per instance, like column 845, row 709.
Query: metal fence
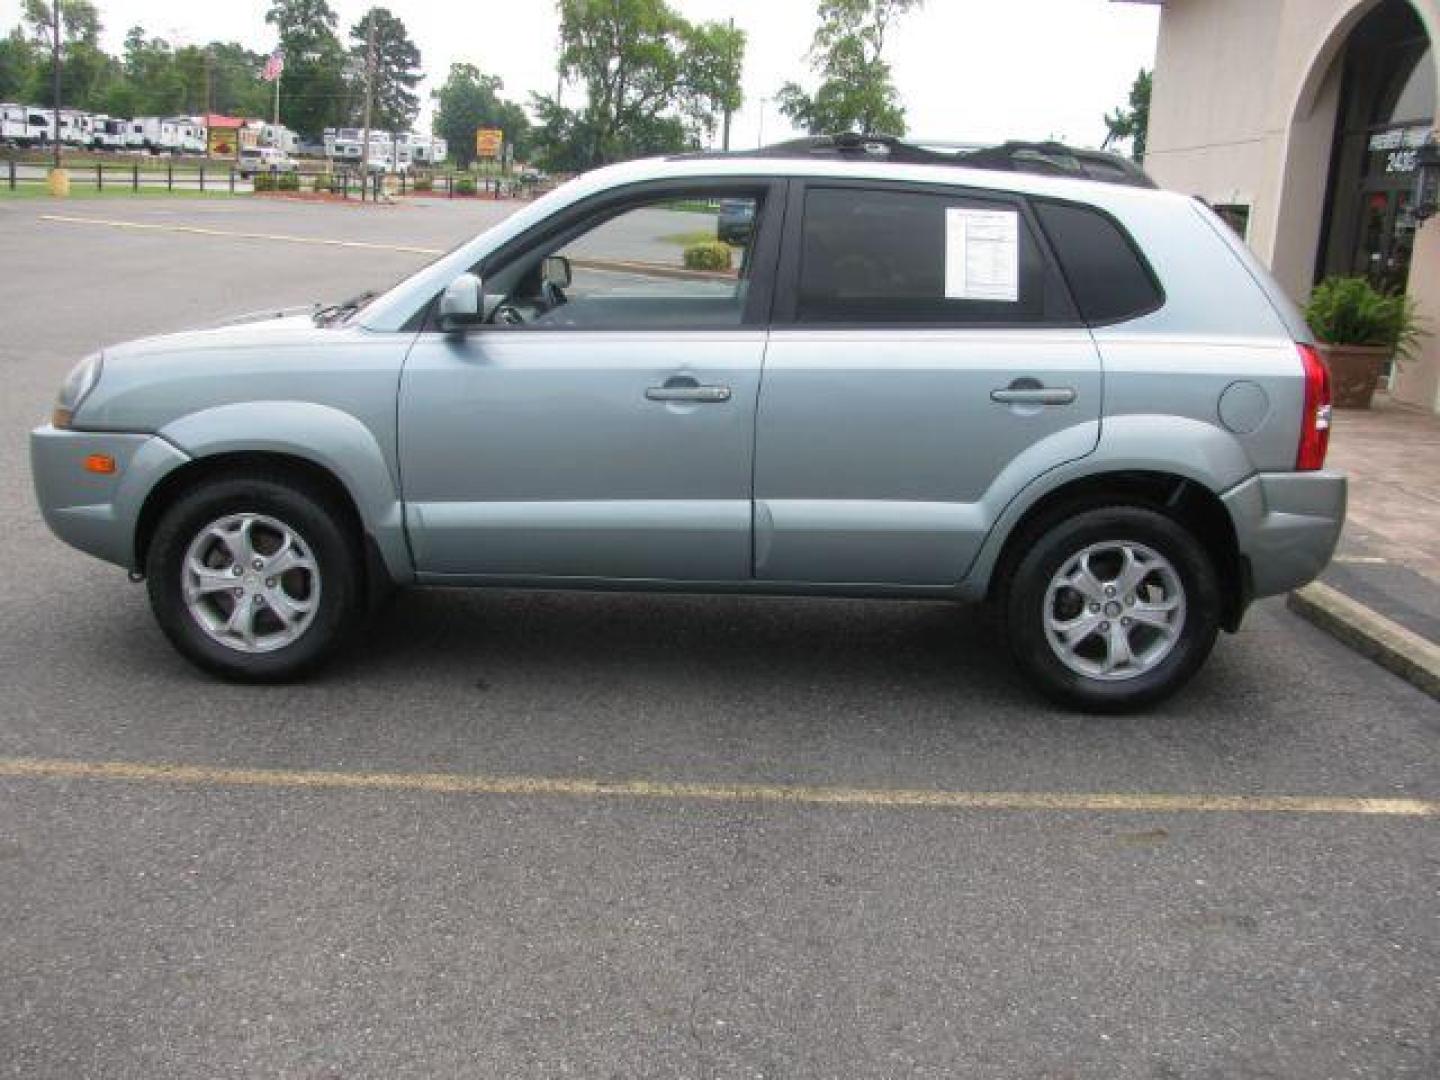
column 345, row 183
column 105, row 176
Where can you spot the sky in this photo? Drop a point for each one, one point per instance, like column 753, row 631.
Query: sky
column 966, row 70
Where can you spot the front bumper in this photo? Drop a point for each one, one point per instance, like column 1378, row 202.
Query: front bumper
column 1287, row 526
column 98, row 513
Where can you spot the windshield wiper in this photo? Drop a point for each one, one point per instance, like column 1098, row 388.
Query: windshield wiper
column 330, row 314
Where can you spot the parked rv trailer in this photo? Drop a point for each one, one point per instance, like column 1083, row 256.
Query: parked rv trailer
column 76, row 127
column 278, row 137
column 13, row 129
column 108, row 132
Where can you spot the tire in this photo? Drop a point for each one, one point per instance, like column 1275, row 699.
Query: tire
column 300, row 617
column 1061, row 624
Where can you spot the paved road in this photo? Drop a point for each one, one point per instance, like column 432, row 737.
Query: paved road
column 330, row 922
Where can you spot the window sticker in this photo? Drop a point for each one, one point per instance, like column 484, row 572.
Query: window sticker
column 982, row 254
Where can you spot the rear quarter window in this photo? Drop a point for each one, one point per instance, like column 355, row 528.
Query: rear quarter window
column 1107, row 275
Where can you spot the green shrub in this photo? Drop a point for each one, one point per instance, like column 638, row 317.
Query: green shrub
column 1351, row 311
column 267, row 181
column 424, row 183
column 710, row 255
column 464, row 185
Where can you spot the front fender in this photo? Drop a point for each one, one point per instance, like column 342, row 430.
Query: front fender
column 1170, row 445
column 324, row 436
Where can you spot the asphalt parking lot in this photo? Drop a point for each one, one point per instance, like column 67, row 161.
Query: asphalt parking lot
column 622, row 836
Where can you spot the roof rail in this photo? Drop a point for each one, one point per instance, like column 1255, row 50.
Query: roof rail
column 1045, row 158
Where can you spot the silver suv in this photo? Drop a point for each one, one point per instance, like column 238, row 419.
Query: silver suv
column 1082, row 402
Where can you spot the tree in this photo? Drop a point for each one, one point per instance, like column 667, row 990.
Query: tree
column 1132, row 123
column 18, row 64
column 855, row 92
column 715, row 54
column 397, row 69
column 84, row 66
column 650, row 77
column 313, row 89
column 79, row 18
column 470, row 99
column 235, row 83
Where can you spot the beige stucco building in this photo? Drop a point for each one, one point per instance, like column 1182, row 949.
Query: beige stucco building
column 1299, row 120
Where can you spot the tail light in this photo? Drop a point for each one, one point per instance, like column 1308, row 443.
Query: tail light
column 1315, row 421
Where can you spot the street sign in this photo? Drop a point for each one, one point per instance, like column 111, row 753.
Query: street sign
column 488, row 142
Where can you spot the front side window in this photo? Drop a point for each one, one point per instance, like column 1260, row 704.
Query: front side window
column 665, row 263
column 889, row 256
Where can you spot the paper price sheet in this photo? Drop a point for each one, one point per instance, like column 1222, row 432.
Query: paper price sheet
column 982, row 255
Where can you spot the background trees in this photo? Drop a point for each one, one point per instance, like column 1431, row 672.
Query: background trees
column 654, row 82
column 397, row 71
column 323, row 83
column 314, row 91
column 855, row 91
column 470, row 99
column 1132, row 124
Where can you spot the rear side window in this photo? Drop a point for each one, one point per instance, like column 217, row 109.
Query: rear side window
column 1107, row 277
column 889, row 256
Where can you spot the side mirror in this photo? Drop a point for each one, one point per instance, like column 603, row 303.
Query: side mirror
column 462, row 304
column 557, row 271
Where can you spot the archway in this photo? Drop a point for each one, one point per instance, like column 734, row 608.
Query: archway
column 1373, row 58
column 1386, row 111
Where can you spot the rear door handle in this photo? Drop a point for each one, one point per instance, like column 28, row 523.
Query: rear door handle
column 1033, row 395
column 702, row 394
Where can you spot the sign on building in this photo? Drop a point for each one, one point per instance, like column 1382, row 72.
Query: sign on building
column 488, row 142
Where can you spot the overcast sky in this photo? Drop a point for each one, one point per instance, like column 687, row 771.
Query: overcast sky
column 966, row 69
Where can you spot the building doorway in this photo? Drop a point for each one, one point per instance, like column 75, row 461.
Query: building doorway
column 1387, row 108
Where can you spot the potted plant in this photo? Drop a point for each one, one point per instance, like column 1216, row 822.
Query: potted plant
column 1360, row 328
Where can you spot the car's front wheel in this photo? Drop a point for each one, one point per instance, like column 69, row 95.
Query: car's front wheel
column 1113, row 608
column 254, row 578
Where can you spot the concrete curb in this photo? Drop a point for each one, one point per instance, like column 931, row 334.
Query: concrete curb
column 1371, row 634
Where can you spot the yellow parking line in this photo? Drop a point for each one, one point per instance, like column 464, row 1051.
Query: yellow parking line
column 202, row 231
column 794, row 794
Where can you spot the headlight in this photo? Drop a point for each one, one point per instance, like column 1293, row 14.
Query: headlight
column 75, row 389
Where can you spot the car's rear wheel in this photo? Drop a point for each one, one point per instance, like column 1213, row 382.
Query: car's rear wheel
column 1113, row 608
column 255, row 578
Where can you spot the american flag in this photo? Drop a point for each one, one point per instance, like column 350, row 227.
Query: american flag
column 274, row 65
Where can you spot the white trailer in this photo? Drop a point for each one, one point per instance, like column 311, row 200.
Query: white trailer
column 189, row 134
column 158, row 134
column 278, row 137
column 13, row 129
column 343, row 144
column 76, row 127
column 39, row 122
column 108, row 132
column 427, row 150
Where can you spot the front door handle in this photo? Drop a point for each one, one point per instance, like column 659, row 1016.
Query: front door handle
column 1033, row 395
column 702, row 394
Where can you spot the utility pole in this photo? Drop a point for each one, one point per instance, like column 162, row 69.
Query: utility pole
column 55, row 29
column 209, row 94
column 369, row 99
column 725, row 138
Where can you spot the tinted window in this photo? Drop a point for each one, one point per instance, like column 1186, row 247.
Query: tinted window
column 1107, row 277
column 884, row 256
